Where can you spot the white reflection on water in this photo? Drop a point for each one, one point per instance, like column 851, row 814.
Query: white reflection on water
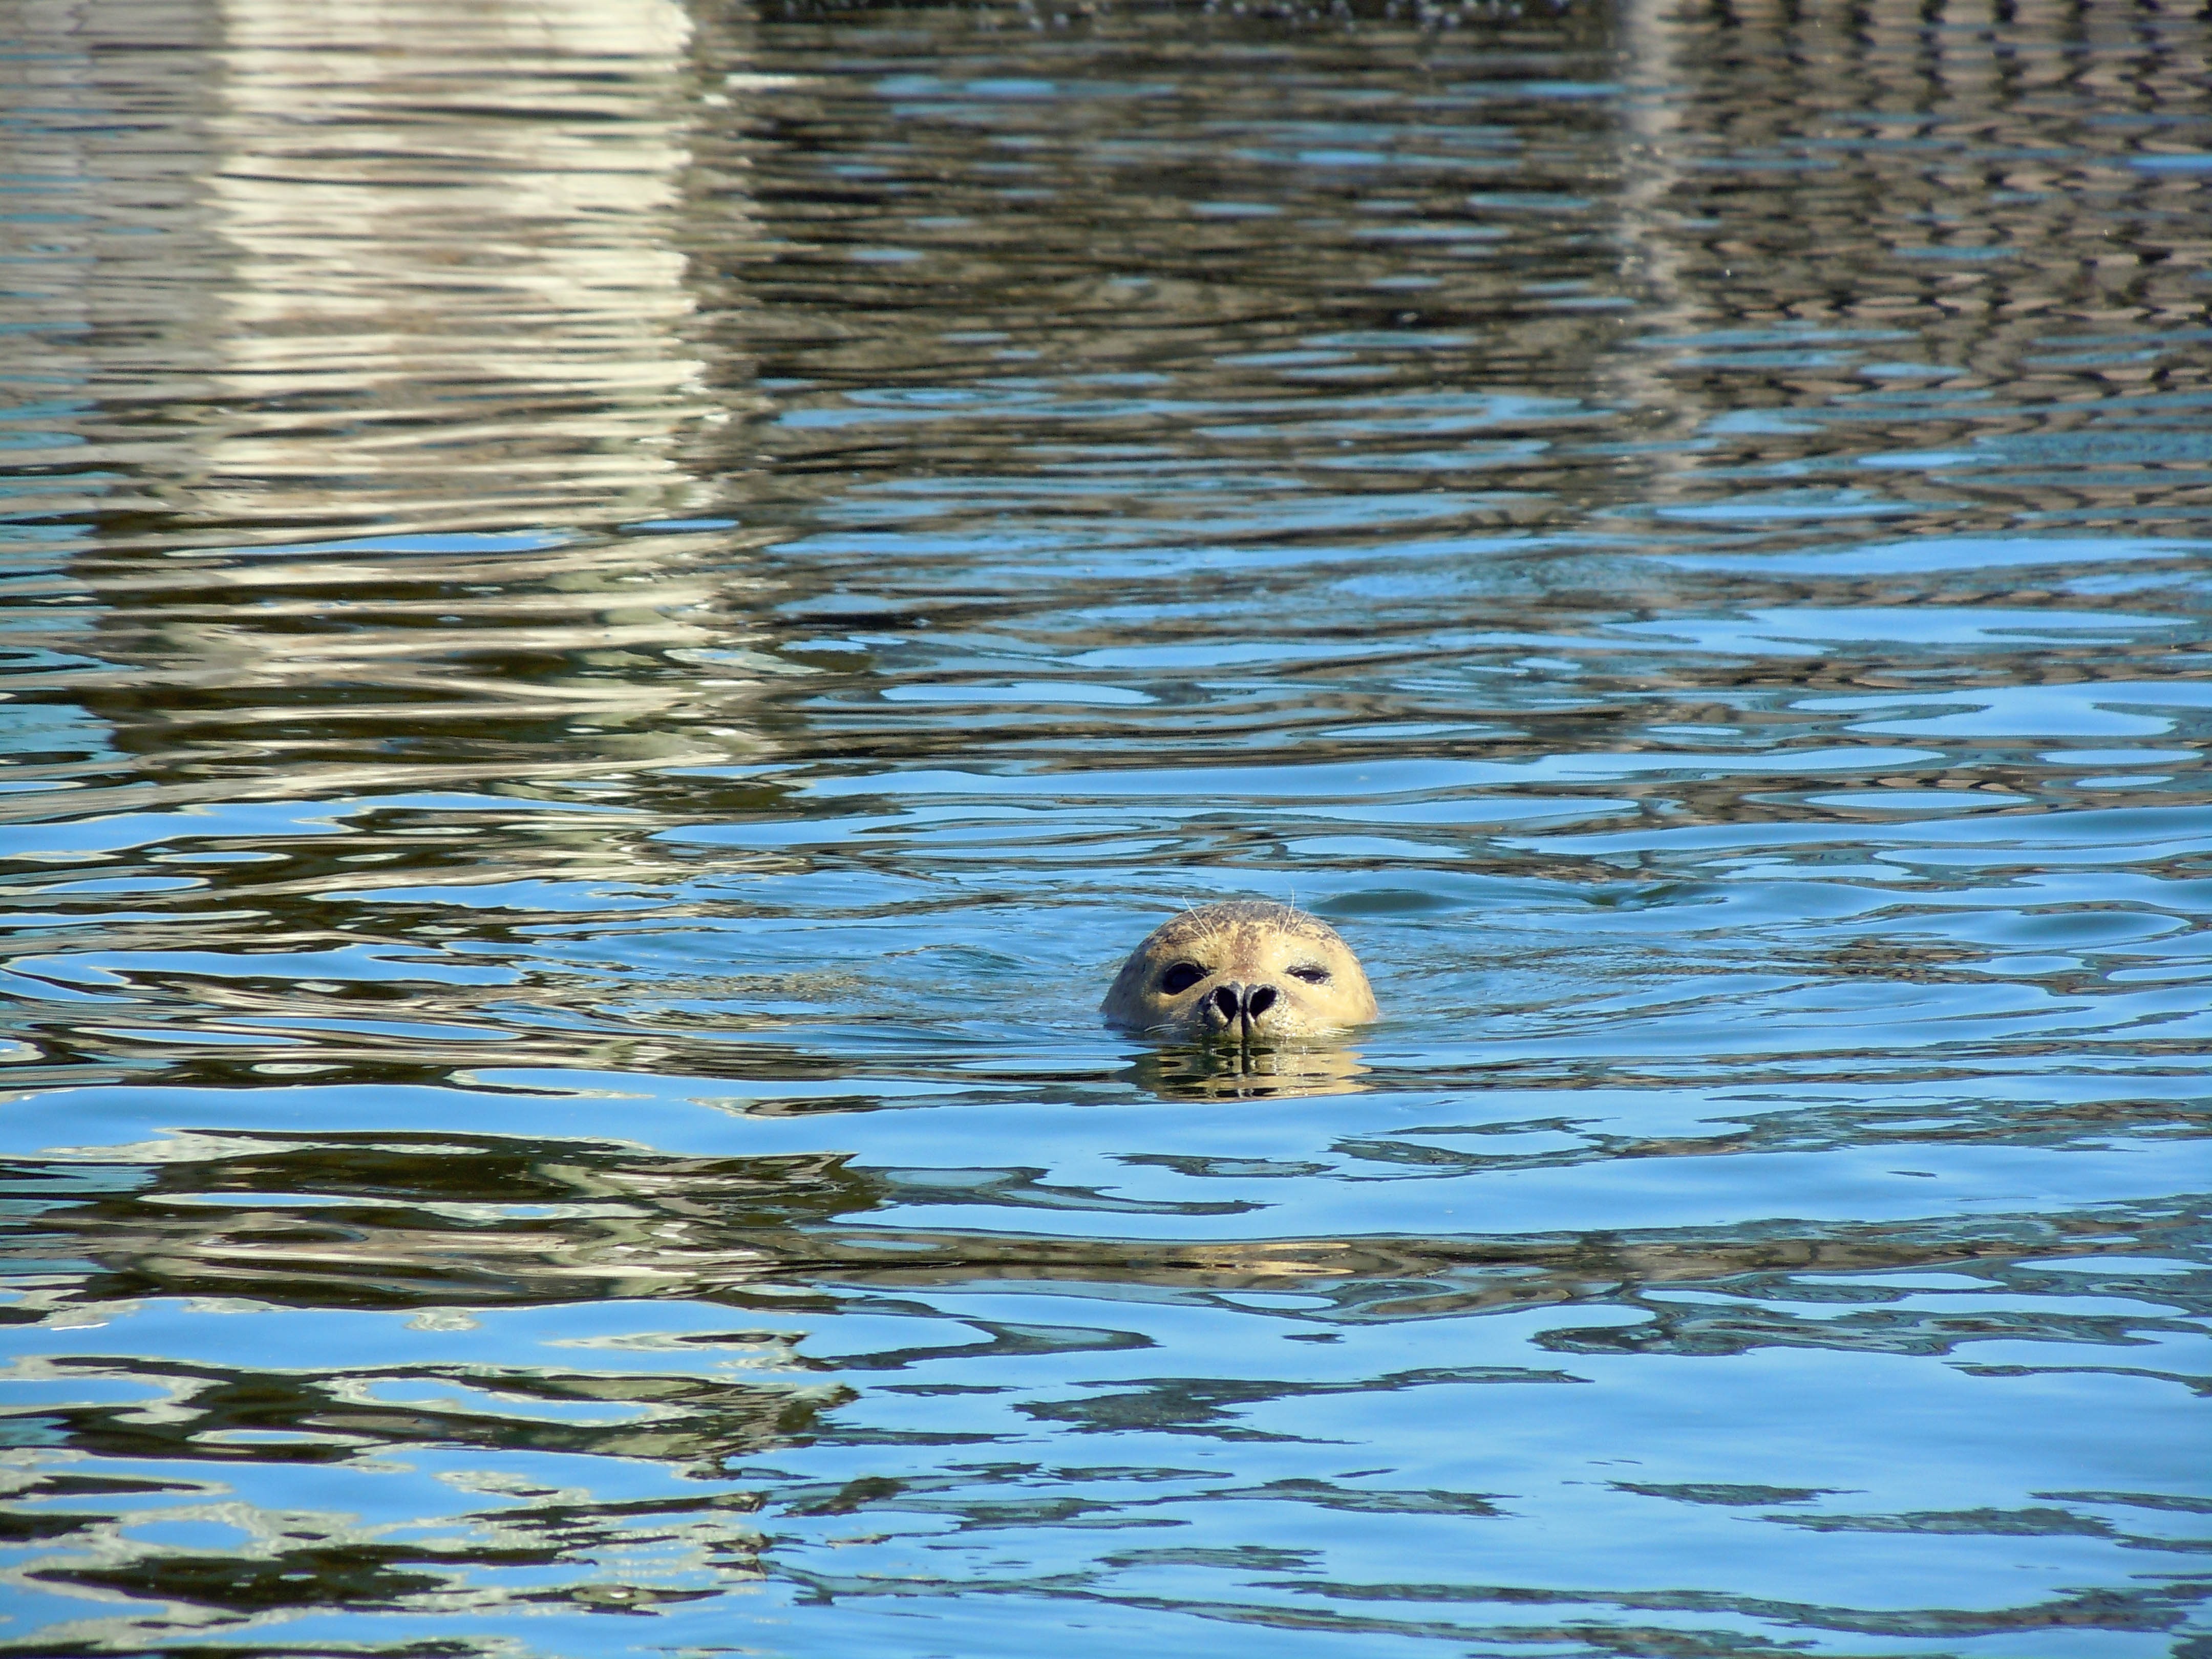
column 460, row 220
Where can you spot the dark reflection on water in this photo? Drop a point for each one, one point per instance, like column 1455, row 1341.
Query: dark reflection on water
column 615, row 616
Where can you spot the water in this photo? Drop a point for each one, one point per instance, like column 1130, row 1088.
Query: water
column 616, row 616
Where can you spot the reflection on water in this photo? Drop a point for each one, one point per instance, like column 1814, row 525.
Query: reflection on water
column 460, row 223
column 617, row 614
column 1215, row 1072
column 394, row 263
column 410, row 309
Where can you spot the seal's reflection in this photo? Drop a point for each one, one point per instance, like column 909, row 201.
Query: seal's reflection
column 1232, row 1072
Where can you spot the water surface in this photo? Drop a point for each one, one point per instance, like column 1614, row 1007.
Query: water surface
column 617, row 614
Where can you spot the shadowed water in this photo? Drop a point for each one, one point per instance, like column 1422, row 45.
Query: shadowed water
column 616, row 615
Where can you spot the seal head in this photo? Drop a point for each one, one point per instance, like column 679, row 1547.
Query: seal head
column 1245, row 971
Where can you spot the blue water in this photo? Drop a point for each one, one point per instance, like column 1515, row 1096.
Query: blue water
column 616, row 615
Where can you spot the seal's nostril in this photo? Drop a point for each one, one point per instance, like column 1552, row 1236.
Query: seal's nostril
column 1258, row 1000
column 1225, row 999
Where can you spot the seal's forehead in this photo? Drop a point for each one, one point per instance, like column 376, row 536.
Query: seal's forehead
column 1215, row 921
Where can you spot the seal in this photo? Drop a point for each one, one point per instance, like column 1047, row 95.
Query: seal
column 1246, row 970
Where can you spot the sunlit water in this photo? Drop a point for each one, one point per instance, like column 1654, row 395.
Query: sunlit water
column 615, row 617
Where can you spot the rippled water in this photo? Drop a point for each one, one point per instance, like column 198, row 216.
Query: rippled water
column 616, row 616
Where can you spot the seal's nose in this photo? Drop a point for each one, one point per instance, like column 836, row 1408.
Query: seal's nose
column 1232, row 1001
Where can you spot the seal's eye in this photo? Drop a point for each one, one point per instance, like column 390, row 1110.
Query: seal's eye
column 1180, row 977
column 1312, row 972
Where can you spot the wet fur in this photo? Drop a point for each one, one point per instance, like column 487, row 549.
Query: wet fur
column 1248, row 942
